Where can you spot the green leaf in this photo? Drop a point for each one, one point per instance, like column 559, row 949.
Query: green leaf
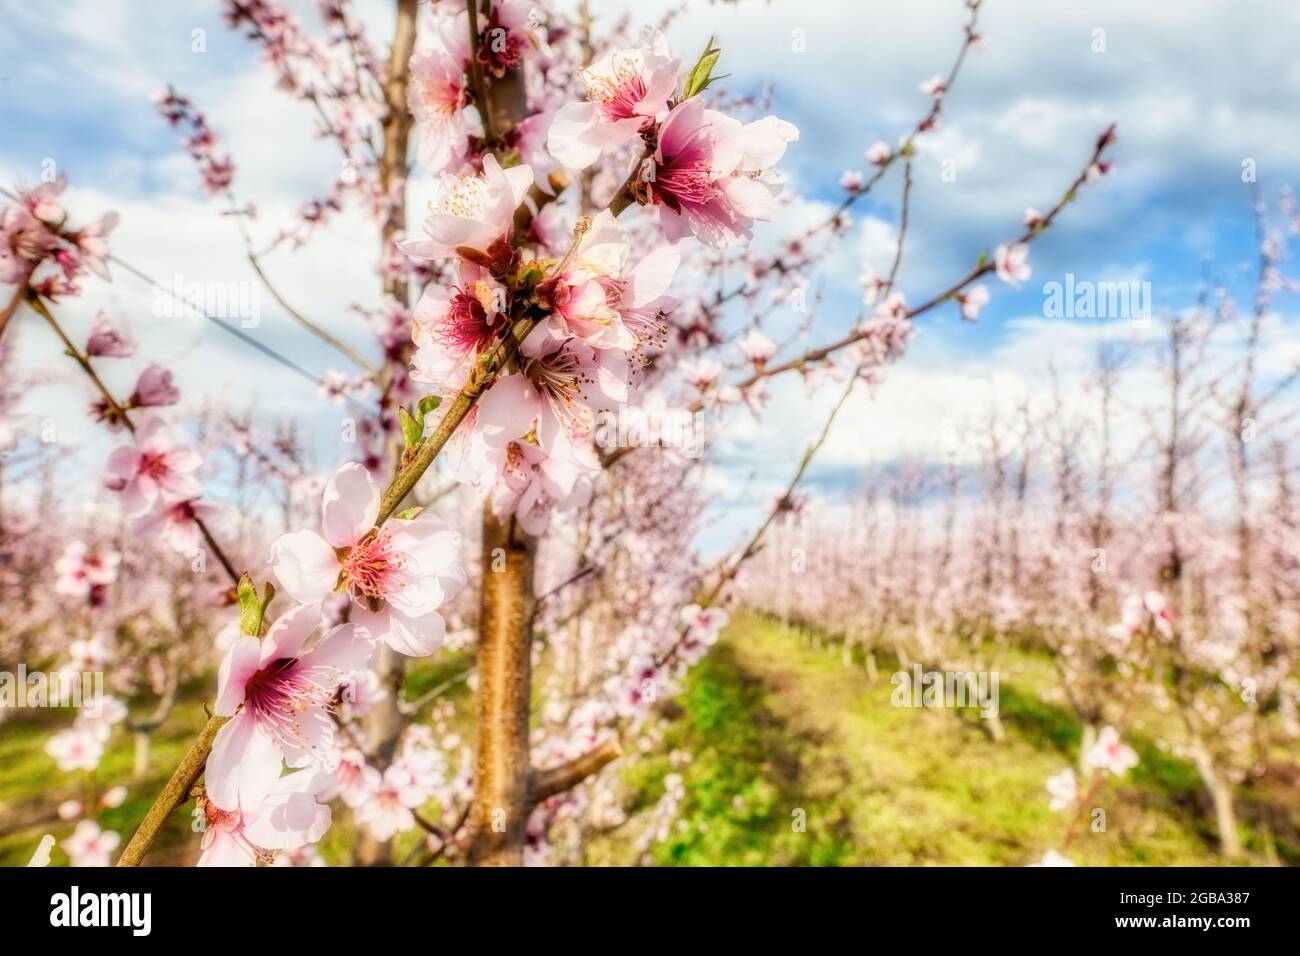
column 702, row 73
column 250, row 608
column 268, row 595
column 428, row 404
column 412, row 427
column 530, row 275
column 409, row 513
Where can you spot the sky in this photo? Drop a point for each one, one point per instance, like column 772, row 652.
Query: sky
column 1197, row 89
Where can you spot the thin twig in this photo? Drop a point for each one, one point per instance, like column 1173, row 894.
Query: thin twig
column 119, row 412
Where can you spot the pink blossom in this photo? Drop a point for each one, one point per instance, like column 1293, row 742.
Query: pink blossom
column 287, row 818
column 607, row 302
column 397, row 576
column 626, row 90
column 934, row 86
column 278, row 693
column 758, row 348
column 892, row 310
column 504, row 36
column 638, row 689
column 1096, row 170
column 604, row 301
column 438, row 98
column 153, row 469
column 712, row 174
column 154, row 388
column 851, row 180
column 99, row 716
column 1012, row 262
column 704, row 622
column 91, row 241
column 76, row 748
column 879, row 153
column 335, row 386
column 455, row 323
column 109, row 340
column 559, row 385
column 78, row 570
column 24, row 242
column 1064, row 789
column 533, row 484
column 91, row 846
column 1155, row 604
column 91, row 654
column 473, row 215
column 352, row 779
column 43, row 201
column 1109, row 754
column 387, row 811
column 177, row 524
column 553, row 227
column 528, row 137
column 303, row 856
column 971, row 301
column 871, row 286
column 703, row 373
column 1033, row 217
column 360, row 693
column 1139, row 612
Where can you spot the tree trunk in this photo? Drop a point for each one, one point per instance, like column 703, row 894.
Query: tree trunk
column 1220, row 790
column 499, row 812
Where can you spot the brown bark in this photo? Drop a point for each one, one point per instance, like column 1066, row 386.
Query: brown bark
column 547, row 783
column 499, row 812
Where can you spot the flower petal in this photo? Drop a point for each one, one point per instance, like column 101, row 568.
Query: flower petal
column 306, row 567
column 289, row 633
column 239, row 664
column 351, row 505
column 243, row 766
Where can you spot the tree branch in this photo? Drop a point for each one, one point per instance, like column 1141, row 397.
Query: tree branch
column 173, row 794
column 547, row 783
column 120, row 412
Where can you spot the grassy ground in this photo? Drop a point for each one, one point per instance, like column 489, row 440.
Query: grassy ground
column 778, row 726
column 797, row 760
column 32, row 786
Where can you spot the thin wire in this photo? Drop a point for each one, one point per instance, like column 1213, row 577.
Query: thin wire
column 222, row 324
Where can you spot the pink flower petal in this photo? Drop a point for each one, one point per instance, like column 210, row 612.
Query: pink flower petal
column 243, row 766
column 351, row 505
column 306, row 567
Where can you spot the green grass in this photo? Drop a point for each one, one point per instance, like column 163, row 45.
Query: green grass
column 32, row 785
column 776, row 725
column 779, row 732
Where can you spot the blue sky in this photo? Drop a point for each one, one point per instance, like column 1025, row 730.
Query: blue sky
column 1196, row 88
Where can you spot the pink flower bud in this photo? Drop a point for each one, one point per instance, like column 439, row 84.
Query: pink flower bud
column 108, row 340
column 154, row 388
